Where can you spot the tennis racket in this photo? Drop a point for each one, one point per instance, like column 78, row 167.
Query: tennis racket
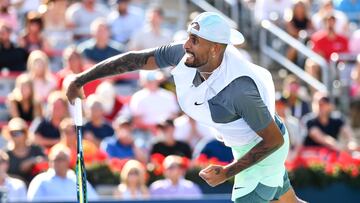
column 80, row 167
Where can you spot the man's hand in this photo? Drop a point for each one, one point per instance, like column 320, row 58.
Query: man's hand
column 213, row 175
column 74, row 91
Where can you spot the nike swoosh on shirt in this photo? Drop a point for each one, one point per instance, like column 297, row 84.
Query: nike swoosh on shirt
column 197, row 104
column 236, row 188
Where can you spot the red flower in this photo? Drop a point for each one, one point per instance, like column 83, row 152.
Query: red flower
column 116, row 164
column 157, row 158
column 202, row 159
column 100, row 156
column 39, row 167
column 354, row 172
column 185, row 162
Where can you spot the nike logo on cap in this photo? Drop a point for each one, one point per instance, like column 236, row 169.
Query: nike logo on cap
column 236, row 188
column 197, row 104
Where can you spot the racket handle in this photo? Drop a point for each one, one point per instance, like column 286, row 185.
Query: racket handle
column 78, row 112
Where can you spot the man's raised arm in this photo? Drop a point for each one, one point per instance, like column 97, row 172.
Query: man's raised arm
column 118, row 64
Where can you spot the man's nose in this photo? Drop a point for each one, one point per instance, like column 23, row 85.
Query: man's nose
column 187, row 45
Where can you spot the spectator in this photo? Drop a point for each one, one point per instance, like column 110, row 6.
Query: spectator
column 8, row 15
column 296, row 131
column 32, row 37
column 124, row 21
column 47, row 132
column 298, row 22
column 355, row 84
column 271, row 10
column 327, row 41
column 12, row 57
column 168, row 145
column 43, row 81
column 80, row 15
column 55, row 28
column 14, row 189
column 73, row 64
column 174, row 185
column 68, row 138
column 112, row 104
column 23, row 155
column 97, row 128
column 100, row 46
column 121, row 144
column 146, row 114
column 299, row 19
column 298, row 106
column 326, row 126
column 22, row 101
column 151, row 35
column 58, row 183
column 327, row 6
column 133, row 182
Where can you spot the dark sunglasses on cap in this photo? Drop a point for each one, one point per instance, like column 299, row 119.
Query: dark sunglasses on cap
column 16, row 133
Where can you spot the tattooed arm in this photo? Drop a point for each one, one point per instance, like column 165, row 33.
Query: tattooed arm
column 272, row 140
column 118, row 64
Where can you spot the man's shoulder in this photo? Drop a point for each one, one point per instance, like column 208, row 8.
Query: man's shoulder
column 337, row 116
column 165, row 93
column 116, row 46
column 75, row 8
column 188, row 184
column 139, row 95
column 86, row 45
column 160, row 184
column 239, row 87
column 14, row 182
column 44, row 176
column 309, row 118
column 319, row 36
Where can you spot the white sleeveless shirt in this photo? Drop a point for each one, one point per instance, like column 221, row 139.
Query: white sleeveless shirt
column 194, row 100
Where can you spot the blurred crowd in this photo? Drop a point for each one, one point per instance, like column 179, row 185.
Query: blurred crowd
column 43, row 43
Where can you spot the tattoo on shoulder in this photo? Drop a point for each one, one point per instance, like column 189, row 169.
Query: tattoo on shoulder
column 118, row 64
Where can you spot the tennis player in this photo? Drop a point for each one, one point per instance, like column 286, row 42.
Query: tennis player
column 216, row 86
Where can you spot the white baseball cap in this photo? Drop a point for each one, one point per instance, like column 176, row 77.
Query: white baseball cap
column 213, row 27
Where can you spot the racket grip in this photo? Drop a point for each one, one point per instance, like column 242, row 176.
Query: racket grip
column 78, row 112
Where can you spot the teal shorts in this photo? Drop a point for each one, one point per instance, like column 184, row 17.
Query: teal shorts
column 264, row 194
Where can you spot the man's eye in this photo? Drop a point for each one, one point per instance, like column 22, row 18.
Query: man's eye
column 193, row 40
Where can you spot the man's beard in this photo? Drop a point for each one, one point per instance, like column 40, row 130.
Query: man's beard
column 194, row 63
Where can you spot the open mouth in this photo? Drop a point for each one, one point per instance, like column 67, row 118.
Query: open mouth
column 190, row 56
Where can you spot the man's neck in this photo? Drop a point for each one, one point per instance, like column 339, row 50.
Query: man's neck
column 61, row 175
column 2, row 179
column 156, row 29
column 324, row 119
column 170, row 142
column 6, row 45
column 175, row 181
column 101, row 44
column 331, row 34
column 97, row 122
